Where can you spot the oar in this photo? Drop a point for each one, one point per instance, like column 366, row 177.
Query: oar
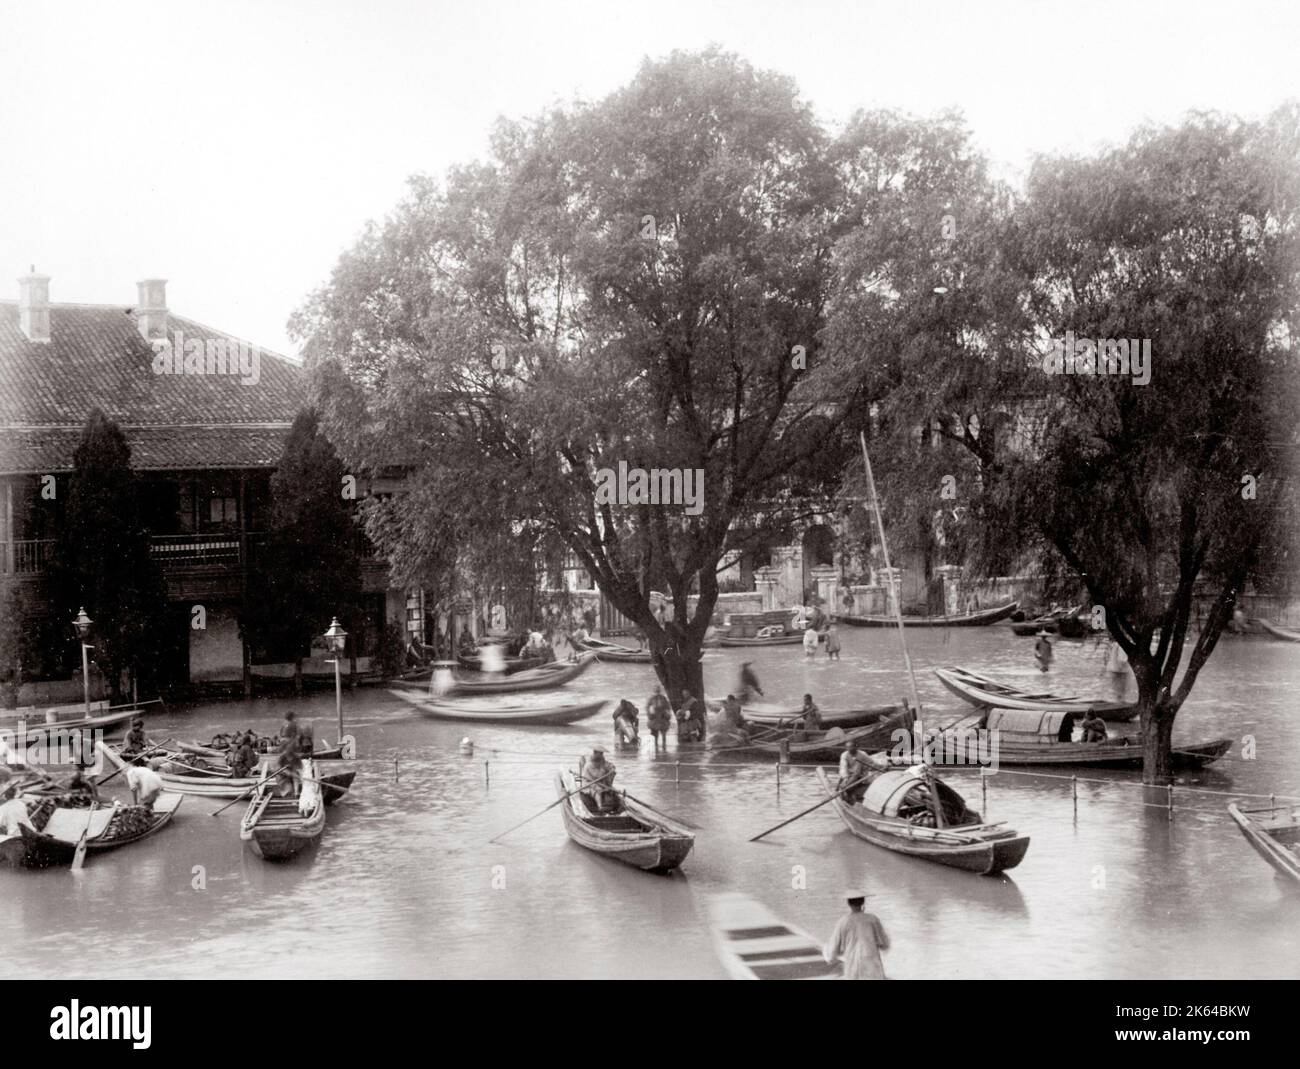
column 79, row 858
column 251, row 790
column 660, row 812
column 783, row 823
column 143, row 753
column 557, row 801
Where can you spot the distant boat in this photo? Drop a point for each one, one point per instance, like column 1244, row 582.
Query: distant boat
column 755, row 944
column 1279, row 632
column 896, row 813
column 474, row 663
column 1043, row 737
column 614, row 651
column 790, row 638
column 1274, row 838
column 978, row 618
column 987, row 693
column 543, row 677
column 632, row 834
column 489, row 711
column 107, row 721
column 891, row 727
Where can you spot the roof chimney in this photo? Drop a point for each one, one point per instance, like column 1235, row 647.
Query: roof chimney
column 34, row 306
column 151, row 312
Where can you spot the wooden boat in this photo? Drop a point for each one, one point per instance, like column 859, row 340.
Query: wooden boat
column 1046, row 622
column 755, row 944
column 545, row 677
column 632, row 835
column 613, row 651
column 489, row 710
column 979, row 618
column 1280, row 632
column 105, row 722
column 213, row 753
column 897, row 813
column 1043, row 737
column 509, row 665
column 186, row 773
column 771, row 715
column 790, row 638
column 105, row 828
column 891, row 728
column 988, row 693
column 280, row 828
column 1274, row 834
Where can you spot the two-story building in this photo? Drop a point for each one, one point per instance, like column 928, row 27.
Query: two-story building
column 206, row 416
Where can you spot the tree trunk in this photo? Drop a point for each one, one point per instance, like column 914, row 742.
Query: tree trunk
column 297, row 677
column 679, row 668
column 1157, row 745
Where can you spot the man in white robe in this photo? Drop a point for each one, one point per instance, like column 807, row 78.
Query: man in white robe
column 858, row 939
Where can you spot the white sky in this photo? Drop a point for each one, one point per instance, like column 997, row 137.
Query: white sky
column 236, row 148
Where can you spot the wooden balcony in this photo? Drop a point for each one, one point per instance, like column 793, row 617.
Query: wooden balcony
column 26, row 557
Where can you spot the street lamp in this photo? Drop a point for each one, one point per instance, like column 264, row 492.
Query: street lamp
column 81, row 625
column 335, row 639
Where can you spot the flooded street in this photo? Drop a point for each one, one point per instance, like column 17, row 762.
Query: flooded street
column 405, row 882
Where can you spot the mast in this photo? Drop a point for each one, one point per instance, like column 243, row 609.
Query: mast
column 917, row 730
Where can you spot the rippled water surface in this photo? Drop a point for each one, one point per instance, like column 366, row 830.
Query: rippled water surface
column 406, row 883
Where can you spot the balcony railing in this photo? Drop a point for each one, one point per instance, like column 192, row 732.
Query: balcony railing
column 192, row 551
column 25, row 557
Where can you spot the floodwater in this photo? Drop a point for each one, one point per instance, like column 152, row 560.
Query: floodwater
column 406, row 883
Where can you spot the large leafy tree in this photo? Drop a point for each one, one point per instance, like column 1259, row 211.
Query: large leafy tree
column 308, row 569
column 102, row 560
column 625, row 281
column 1147, row 494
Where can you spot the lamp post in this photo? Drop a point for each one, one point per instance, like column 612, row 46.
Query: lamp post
column 81, row 625
column 335, row 639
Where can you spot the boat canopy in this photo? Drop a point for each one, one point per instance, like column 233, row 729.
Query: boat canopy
column 886, row 792
column 1051, row 723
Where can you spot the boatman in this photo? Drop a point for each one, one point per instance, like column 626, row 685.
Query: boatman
column 810, row 714
column 13, row 812
column 289, row 731
column 858, row 939
column 145, row 783
column 1094, row 727
column 855, row 766
column 598, row 778
column 135, row 743
column 80, row 790
column 243, row 757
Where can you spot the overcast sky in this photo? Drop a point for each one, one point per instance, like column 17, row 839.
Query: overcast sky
column 236, row 148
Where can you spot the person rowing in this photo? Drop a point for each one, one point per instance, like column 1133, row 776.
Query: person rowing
column 810, row 715
column 598, row 779
column 856, row 770
column 136, row 742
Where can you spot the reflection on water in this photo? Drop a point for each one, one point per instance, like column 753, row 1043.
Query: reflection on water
column 405, row 882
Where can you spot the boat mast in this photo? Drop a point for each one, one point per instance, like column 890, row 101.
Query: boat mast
column 917, row 729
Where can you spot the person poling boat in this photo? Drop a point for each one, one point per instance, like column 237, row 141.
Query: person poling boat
column 598, row 779
column 857, row 940
column 855, row 772
column 659, row 714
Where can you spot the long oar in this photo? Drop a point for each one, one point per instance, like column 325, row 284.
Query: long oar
column 563, row 798
column 143, row 753
column 79, row 857
column 783, row 823
column 667, row 816
column 251, row 790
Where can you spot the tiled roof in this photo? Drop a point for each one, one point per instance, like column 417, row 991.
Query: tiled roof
column 97, row 358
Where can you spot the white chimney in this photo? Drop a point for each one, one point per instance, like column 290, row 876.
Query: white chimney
column 151, row 310
column 34, row 306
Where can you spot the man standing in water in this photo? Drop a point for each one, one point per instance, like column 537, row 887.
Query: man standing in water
column 1043, row 651
column 748, row 683
column 858, row 939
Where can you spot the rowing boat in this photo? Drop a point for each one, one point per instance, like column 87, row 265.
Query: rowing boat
column 1274, row 837
column 280, row 828
column 38, row 732
column 986, row 693
column 897, row 814
column 614, row 651
column 633, row 834
column 188, row 774
column 104, row 828
column 1279, row 632
column 218, row 753
column 1044, row 737
column 544, row 677
column 979, row 618
column 488, row 709
column 771, row 715
column 755, row 944
column 790, row 638
column 890, row 730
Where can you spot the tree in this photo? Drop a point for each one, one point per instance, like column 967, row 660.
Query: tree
column 102, row 559
column 12, row 643
column 641, row 281
column 309, row 568
column 1145, row 489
